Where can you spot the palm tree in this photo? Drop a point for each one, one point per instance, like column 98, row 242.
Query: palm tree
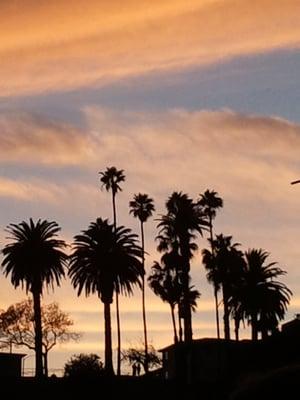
column 179, row 225
column 263, row 300
column 165, row 285
column 210, row 203
column 225, row 269
column 106, row 260
column 111, row 179
column 34, row 259
column 142, row 207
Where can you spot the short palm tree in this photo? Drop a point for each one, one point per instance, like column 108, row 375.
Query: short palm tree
column 35, row 258
column 164, row 282
column 210, row 203
column 142, row 207
column 165, row 285
column 106, row 261
column 111, row 179
column 263, row 300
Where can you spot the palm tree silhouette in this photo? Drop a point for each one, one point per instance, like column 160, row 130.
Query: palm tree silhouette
column 224, row 268
column 210, row 203
column 262, row 300
column 164, row 282
column 165, row 285
column 142, row 207
column 34, row 259
column 179, row 225
column 106, row 260
column 111, row 179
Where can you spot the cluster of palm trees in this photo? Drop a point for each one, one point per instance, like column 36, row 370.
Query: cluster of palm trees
column 250, row 291
column 107, row 260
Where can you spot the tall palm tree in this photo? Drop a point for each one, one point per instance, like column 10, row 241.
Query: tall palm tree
column 35, row 258
column 210, row 203
column 225, row 269
column 106, row 260
column 179, row 225
column 263, row 300
column 142, row 207
column 111, row 179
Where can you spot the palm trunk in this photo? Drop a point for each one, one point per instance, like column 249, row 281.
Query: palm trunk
column 226, row 315
column 254, row 332
column 108, row 364
column 215, row 289
column 117, row 296
column 174, row 324
column 188, row 332
column 144, row 301
column 118, row 335
column 236, row 328
column 180, row 325
column 217, row 312
column 38, row 334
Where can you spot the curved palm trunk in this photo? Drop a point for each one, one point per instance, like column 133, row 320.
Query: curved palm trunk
column 108, row 364
column 174, row 324
column 144, row 301
column 117, row 296
column 38, row 334
column 215, row 289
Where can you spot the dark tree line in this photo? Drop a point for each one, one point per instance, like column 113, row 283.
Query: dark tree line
column 107, row 260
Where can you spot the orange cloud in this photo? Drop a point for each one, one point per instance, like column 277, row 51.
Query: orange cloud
column 53, row 46
column 28, row 138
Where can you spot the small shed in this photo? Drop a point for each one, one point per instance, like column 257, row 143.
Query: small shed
column 11, row 365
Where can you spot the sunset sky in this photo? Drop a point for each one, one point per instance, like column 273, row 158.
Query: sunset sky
column 183, row 95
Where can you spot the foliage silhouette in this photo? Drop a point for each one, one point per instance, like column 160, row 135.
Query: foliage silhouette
column 164, row 282
column 35, row 258
column 111, row 179
column 178, row 228
column 106, row 260
column 142, row 207
column 210, row 203
column 17, row 327
column 87, row 366
column 225, row 269
column 137, row 355
column 260, row 299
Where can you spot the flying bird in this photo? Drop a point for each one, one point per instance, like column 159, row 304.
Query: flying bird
column 293, row 183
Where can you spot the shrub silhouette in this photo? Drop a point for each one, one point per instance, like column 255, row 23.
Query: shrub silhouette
column 84, row 366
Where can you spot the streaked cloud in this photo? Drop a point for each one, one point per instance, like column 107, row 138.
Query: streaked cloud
column 28, row 138
column 53, row 46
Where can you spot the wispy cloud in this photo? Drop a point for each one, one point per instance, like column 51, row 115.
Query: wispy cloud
column 28, row 138
column 53, row 46
column 227, row 149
